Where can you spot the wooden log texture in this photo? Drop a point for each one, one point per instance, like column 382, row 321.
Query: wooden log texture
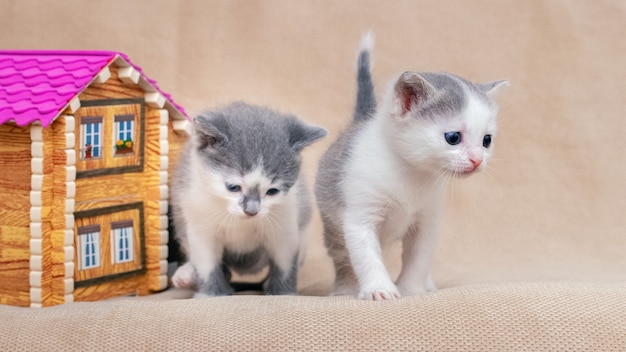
column 62, row 157
column 177, row 140
column 123, row 287
column 48, row 298
column 152, row 181
column 112, row 88
column 15, row 163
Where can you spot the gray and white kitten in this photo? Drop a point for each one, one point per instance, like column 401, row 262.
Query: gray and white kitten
column 239, row 201
column 384, row 178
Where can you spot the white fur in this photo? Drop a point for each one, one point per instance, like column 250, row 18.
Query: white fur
column 367, row 42
column 394, row 189
column 184, row 276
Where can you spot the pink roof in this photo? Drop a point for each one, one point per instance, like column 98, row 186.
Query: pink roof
column 39, row 85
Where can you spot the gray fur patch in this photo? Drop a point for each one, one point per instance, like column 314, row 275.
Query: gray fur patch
column 251, row 202
column 305, row 208
column 251, row 136
column 453, row 91
column 450, row 99
column 244, row 262
column 365, row 96
column 280, row 282
column 330, row 172
column 216, row 284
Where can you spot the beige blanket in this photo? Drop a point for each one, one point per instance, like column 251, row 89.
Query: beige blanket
column 503, row 317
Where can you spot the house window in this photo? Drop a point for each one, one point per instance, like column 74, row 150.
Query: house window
column 110, row 243
column 89, row 244
column 122, row 239
column 91, row 137
column 124, row 133
column 110, row 136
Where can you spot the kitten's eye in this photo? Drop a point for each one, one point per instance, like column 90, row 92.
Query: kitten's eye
column 233, row 188
column 487, row 140
column 453, row 138
column 272, row 191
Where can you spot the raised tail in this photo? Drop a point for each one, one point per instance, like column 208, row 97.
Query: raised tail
column 365, row 96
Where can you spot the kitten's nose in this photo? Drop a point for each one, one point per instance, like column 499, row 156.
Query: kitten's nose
column 251, row 207
column 251, row 212
column 476, row 163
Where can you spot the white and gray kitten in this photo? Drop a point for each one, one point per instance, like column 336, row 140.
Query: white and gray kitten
column 239, row 201
column 384, row 178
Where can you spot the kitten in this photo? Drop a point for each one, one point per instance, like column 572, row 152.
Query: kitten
column 384, row 178
column 239, row 201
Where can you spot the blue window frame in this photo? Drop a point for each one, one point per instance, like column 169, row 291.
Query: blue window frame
column 89, row 246
column 125, row 130
column 123, row 242
column 91, row 137
column 124, row 133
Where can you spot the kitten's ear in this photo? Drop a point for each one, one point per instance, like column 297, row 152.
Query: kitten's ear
column 301, row 134
column 412, row 90
column 493, row 87
column 207, row 135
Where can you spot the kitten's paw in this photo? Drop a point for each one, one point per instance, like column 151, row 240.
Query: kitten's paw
column 430, row 286
column 201, row 295
column 184, row 277
column 415, row 289
column 380, row 294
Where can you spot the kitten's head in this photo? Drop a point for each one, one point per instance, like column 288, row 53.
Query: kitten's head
column 252, row 154
column 443, row 123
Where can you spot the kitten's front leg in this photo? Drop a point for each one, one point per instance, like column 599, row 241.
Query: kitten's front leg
column 282, row 279
column 283, row 274
column 206, row 257
column 366, row 257
column 418, row 248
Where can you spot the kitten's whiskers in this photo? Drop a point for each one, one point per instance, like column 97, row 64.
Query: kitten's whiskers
column 275, row 222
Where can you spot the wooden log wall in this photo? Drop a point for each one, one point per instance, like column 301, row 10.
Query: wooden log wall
column 15, row 185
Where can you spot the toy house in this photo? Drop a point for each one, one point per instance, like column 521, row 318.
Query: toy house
column 87, row 142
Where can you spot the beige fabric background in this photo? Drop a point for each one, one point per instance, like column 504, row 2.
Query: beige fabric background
column 551, row 206
column 494, row 318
